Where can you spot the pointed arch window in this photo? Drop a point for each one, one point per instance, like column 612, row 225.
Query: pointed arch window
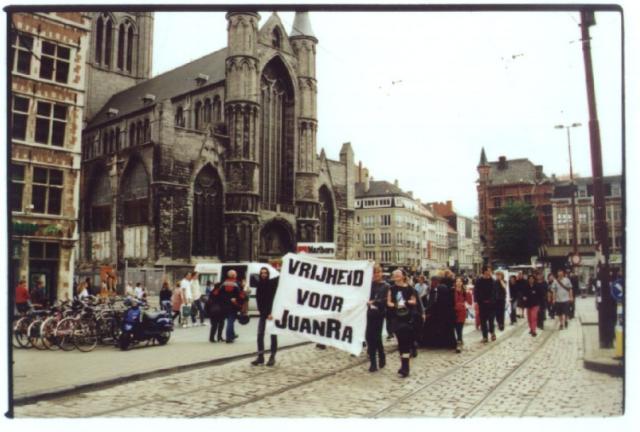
column 132, row 134
column 147, row 131
column 129, row 48
column 180, row 117
column 276, row 38
column 99, row 39
column 108, row 42
column 207, row 217
column 121, row 37
column 118, row 143
column 99, row 208
column 139, row 133
column 217, row 110
column 135, row 195
column 206, row 111
column 198, row 115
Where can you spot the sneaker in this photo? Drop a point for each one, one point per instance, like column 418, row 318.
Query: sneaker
column 493, row 337
column 258, row 361
column 373, row 368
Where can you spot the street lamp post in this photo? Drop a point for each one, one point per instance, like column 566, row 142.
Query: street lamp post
column 573, row 190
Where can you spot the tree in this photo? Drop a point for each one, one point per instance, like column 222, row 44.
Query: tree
column 517, row 233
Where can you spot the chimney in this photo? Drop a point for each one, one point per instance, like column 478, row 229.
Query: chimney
column 538, row 172
column 395, row 183
column 366, row 183
column 359, row 171
column 502, row 162
column 449, row 205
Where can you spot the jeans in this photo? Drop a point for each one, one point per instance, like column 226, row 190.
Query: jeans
column 231, row 318
column 165, row 305
column 261, row 330
column 513, row 315
column 487, row 315
column 197, row 306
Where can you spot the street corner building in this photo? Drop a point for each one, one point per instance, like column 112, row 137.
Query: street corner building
column 46, row 69
column 214, row 160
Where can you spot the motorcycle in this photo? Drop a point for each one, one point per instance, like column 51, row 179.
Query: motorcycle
column 140, row 326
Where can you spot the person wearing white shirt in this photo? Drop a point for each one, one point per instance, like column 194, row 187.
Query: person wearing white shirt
column 139, row 291
column 187, row 296
column 198, row 300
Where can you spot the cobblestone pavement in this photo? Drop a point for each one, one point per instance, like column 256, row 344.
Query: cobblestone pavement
column 515, row 376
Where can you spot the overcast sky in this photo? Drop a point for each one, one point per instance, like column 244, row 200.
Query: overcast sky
column 419, row 94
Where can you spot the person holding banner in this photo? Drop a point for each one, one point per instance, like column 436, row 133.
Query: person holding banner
column 376, row 310
column 265, row 293
column 401, row 300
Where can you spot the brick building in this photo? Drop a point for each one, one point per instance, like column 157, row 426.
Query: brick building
column 213, row 160
column 561, row 245
column 47, row 80
column 512, row 180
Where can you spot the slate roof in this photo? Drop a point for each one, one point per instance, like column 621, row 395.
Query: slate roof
column 172, row 83
column 517, row 171
column 378, row 188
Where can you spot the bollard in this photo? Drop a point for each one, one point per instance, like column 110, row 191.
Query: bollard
column 619, row 352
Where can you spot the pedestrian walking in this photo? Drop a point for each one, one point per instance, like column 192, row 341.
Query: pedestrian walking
column 575, row 290
column 216, row 314
column 177, row 300
column 461, row 297
column 401, row 299
column 265, row 293
column 513, row 299
column 187, row 298
column 501, row 299
column 22, row 297
column 165, row 297
column 531, row 300
column 485, row 296
column 562, row 297
column 544, row 293
column 376, row 311
column 197, row 306
column 439, row 328
column 232, row 299
column 421, row 287
column 521, row 286
column 550, row 307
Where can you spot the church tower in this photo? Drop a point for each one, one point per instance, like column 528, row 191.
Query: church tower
column 304, row 42
column 241, row 114
column 119, row 56
column 483, row 181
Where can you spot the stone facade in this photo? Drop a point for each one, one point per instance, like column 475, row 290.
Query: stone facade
column 47, row 66
column 215, row 160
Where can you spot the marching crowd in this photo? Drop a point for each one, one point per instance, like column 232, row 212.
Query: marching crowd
column 421, row 315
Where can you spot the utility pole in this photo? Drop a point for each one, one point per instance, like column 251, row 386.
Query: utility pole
column 607, row 309
column 573, row 192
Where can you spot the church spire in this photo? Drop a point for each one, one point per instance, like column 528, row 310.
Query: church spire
column 302, row 25
column 483, row 158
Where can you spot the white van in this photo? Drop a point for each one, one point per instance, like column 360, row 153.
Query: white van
column 248, row 273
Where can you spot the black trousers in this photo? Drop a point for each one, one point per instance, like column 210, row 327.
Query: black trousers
column 261, row 330
column 542, row 315
column 487, row 316
column 500, row 310
column 459, row 327
column 373, row 336
column 513, row 315
column 217, row 325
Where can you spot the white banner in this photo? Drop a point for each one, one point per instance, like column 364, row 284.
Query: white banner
column 324, row 301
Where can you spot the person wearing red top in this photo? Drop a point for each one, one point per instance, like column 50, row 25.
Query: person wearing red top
column 461, row 298
column 22, row 296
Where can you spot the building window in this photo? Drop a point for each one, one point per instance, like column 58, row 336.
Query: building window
column 129, row 48
column 54, row 62
column 51, row 121
column 44, row 251
column 46, row 195
column 121, row 36
column 385, row 220
column 198, row 115
column 139, row 133
column 207, row 111
column 615, row 189
column 21, row 49
column 20, row 116
column 276, row 39
column 180, row 117
column 17, row 187
column 146, row 134
column 118, row 144
column 132, row 134
column 497, row 202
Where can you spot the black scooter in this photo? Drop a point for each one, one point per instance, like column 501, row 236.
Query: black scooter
column 140, row 326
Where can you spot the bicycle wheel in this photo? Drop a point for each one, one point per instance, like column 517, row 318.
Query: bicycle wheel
column 84, row 336
column 34, row 335
column 48, row 332
column 64, row 333
column 14, row 338
column 20, row 332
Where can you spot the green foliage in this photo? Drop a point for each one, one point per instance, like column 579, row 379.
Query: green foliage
column 517, row 233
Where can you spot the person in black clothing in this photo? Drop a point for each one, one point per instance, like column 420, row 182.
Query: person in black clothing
column 521, row 286
column 265, row 293
column 216, row 314
column 531, row 297
column 231, row 300
column 165, row 297
column 543, row 288
column 485, row 296
column 513, row 299
column 376, row 310
column 439, row 328
column 402, row 299
column 501, row 299
column 417, row 319
column 575, row 290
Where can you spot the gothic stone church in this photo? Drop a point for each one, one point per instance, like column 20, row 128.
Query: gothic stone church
column 214, row 160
